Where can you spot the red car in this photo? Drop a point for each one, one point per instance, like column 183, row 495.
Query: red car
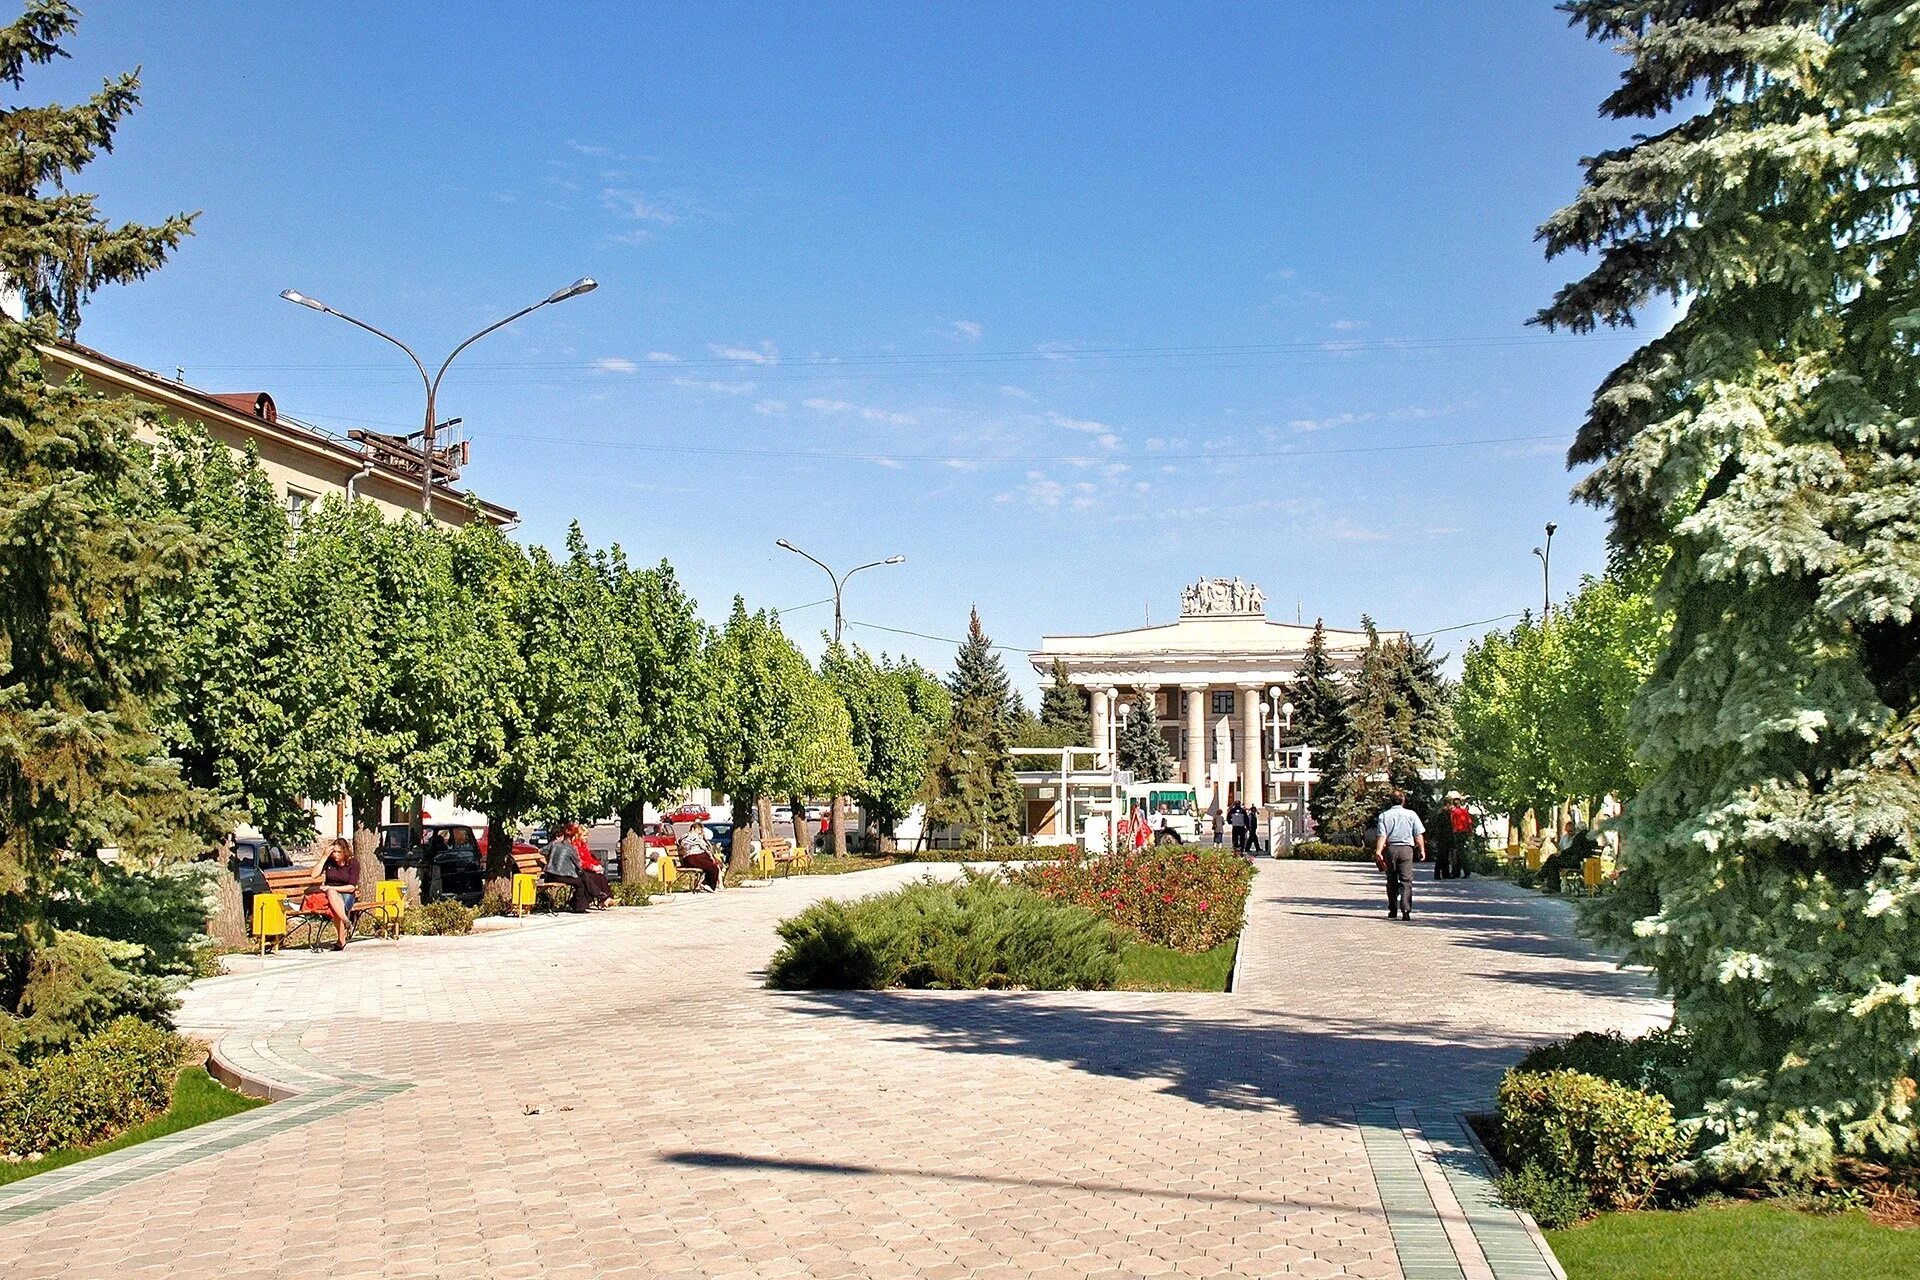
column 684, row 815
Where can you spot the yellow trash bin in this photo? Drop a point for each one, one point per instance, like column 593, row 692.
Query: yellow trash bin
column 269, row 920
column 1536, row 856
column 392, row 901
column 1593, row 871
column 525, row 890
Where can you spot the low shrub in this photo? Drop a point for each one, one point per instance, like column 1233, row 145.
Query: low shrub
column 633, row 893
column 1179, row 896
column 1555, row 1200
column 977, row 932
column 1615, row 1141
column 443, row 916
column 493, row 902
column 1323, row 851
column 107, row 1082
column 1652, row 1062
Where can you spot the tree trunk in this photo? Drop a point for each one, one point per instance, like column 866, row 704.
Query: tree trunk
column 633, row 849
column 366, row 842
column 838, row 825
column 228, row 923
column 500, row 865
column 802, row 838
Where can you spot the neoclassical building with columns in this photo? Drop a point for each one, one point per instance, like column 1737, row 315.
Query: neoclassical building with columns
column 1215, row 682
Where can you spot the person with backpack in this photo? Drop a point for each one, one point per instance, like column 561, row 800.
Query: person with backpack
column 1237, row 819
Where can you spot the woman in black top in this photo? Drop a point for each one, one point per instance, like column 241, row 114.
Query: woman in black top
column 340, row 878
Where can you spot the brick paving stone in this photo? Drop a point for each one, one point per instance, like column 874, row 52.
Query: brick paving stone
column 618, row 1095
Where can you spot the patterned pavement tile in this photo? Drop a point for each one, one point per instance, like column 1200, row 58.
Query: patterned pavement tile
column 618, row 1095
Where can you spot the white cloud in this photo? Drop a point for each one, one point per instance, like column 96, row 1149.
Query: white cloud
column 1107, row 441
column 892, row 464
column 1333, row 420
column 1055, row 350
column 770, row 408
column 1343, row 348
column 1348, row 326
column 638, row 206
column 765, row 353
column 1086, row 425
column 719, row 388
column 615, row 364
column 663, row 357
column 967, row 328
column 1342, row 529
column 821, row 404
column 1017, row 393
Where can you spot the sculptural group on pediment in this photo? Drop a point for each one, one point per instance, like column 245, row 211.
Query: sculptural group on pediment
column 1221, row 596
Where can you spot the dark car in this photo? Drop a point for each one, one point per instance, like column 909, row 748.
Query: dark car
column 250, row 859
column 452, row 848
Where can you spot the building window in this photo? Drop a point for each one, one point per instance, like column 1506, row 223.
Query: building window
column 1223, row 703
column 299, row 503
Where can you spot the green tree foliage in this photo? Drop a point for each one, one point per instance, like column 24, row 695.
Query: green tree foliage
column 383, row 686
column 1543, row 711
column 970, row 781
column 662, row 698
column 777, row 729
column 225, row 713
column 1141, row 748
column 1399, row 723
column 1768, row 439
column 1322, row 720
column 1064, row 719
column 54, row 246
column 81, row 560
column 891, row 736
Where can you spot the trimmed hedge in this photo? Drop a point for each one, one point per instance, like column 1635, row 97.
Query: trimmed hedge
column 1322, row 851
column 1614, row 1141
column 1652, row 1062
column 977, row 932
column 118, row 1077
column 441, row 916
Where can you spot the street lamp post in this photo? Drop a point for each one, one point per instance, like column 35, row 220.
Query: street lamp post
column 839, row 581
column 1546, row 571
column 432, row 384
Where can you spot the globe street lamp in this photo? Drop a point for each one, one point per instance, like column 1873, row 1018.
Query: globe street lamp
column 574, row 290
column 839, row 580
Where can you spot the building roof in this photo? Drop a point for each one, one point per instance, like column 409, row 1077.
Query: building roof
column 252, row 411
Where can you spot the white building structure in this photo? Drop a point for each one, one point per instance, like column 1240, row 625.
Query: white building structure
column 1215, row 683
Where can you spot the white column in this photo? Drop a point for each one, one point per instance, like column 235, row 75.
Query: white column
column 1102, row 707
column 1250, row 790
column 1196, row 738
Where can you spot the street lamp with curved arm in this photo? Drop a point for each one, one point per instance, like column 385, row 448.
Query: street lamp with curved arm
column 839, row 580
column 432, row 384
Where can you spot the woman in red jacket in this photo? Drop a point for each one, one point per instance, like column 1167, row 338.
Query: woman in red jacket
column 592, row 874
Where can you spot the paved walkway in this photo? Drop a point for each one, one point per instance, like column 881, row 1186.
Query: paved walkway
column 617, row 1096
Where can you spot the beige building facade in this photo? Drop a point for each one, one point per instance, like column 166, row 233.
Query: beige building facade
column 1215, row 684
column 304, row 462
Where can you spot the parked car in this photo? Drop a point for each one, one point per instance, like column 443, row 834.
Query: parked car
column 685, row 814
column 249, row 859
column 456, row 853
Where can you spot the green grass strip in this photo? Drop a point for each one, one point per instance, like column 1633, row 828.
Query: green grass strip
column 1145, row 967
column 197, row 1099
column 1736, row 1242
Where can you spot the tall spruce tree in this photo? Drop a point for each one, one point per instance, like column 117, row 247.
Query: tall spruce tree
column 1322, row 719
column 1142, row 750
column 1770, row 873
column 1063, row 710
column 82, row 556
column 970, row 782
column 54, row 246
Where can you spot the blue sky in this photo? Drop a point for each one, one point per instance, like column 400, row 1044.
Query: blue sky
column 1069, row 307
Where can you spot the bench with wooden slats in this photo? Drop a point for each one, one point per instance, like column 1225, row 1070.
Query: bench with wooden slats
column 788, row 857
column 293, row 884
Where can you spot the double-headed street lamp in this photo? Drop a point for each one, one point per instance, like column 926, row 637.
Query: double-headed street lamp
column 1546, row 571
column 574, row 290
column 839, row 579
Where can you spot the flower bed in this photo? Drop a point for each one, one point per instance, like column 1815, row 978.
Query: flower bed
column 1173, row 896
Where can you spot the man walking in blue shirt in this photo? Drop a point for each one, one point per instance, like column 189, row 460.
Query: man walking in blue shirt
column 1401, row 843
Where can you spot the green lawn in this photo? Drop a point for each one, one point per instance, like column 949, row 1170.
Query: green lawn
column 1145, row 967
column 1736, row 1242
column 196, row 1100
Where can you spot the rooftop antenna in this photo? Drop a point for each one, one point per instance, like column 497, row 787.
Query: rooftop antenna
column 179, row 373
column 1149, row 611
column 1297, row 620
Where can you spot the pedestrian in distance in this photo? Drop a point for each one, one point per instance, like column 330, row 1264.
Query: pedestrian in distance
column 1219, row 823
column 1401, row 842
column 1237, row 819
column 1458, row 834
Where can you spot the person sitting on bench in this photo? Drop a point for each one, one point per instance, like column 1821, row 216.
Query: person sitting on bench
column 696, row 850
column 563, row 867
column 340, row 880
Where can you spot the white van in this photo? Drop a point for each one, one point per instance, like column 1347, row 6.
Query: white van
column 1180, row 821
